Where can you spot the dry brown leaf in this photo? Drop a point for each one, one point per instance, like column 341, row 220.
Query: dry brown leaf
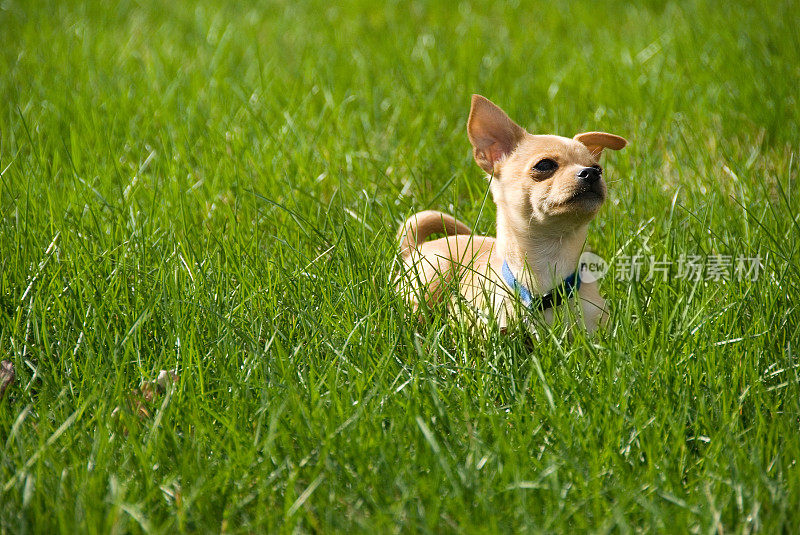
column 6, row 376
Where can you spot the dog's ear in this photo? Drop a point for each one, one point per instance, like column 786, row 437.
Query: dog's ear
column 597, row 141
column 492, row 134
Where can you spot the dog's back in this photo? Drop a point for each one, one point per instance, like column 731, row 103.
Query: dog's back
column 429, row 266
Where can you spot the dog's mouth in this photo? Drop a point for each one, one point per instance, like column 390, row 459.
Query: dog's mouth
column 583, row 199
column 587, row 193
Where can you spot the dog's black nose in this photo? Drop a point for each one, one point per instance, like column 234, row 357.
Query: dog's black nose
column 589, row 174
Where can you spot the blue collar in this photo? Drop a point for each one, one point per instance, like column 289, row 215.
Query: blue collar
column 552, row 298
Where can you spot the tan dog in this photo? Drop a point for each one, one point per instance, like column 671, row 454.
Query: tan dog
column 547, row 190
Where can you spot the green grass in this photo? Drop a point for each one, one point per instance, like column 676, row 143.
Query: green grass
column 215, row 188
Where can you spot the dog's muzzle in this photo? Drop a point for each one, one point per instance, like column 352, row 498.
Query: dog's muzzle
column 589, row 175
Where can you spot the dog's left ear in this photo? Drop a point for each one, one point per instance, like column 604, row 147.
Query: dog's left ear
column 597, row 141
column 492, row 133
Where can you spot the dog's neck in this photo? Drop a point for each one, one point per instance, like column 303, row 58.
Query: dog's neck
column 539, row 256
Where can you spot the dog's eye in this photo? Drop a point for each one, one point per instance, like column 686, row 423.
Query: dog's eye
column 546, row 165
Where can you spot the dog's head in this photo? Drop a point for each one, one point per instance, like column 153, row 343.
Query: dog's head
column 539, row 179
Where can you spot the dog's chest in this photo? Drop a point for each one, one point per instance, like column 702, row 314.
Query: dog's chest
column 497, row 302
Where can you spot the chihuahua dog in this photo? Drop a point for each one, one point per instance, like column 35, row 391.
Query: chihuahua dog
column 547, row 189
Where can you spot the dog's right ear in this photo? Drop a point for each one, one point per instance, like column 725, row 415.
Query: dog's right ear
column 597, row 141
column 492, row 133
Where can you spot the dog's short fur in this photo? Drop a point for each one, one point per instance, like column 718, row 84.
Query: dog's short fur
column 547, row 191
